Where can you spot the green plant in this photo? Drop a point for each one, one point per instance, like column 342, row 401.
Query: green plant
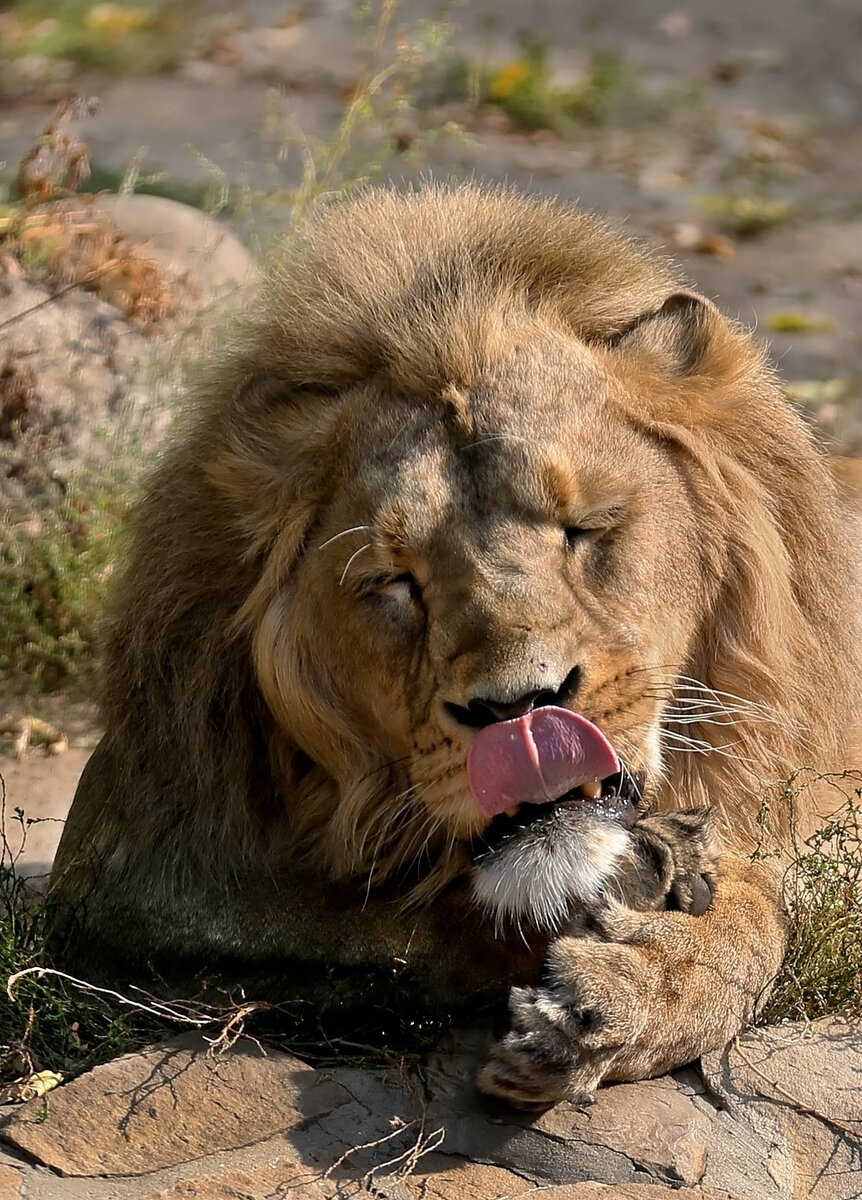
column 822, row 880
column 55, row 562
column 525, row 88
column 117, row 38
column 746, row 213
column 799, row 322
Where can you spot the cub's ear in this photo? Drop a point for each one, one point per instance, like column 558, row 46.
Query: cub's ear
column 676, row 339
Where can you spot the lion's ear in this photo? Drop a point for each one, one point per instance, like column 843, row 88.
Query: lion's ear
column 267, row 415
column 271, row 452
column 257, row 398
column 676, row 339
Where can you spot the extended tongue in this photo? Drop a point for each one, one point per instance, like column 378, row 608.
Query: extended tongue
column 536, row 758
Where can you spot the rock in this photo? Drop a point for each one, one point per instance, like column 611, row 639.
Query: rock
column 81, row 385
column 436, row 1180
column 169, row 1105
column 652, row 1123
column 184, row 241
column 647, row 1132
column 11, row 1182
column 248, row 1126
column 283, row 1177
column 798, row 1087
column 74, row 377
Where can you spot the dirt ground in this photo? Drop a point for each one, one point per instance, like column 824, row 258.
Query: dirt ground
column 727, row 100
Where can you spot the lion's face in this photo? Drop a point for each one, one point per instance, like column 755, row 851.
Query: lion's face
column 484, row 553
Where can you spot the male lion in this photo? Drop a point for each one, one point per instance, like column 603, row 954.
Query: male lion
column 488, row 588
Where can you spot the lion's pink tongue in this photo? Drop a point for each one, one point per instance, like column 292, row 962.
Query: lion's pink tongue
column 535, row 758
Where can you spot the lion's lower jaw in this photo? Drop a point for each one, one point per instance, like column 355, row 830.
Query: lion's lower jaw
column 534, row 880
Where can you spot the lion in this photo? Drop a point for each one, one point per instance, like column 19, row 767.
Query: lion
column 488, row 587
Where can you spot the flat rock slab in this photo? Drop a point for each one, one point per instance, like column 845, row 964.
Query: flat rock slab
column 800, row 1089
column 177, row 1123
column 169, row 1105
column 11, row 1181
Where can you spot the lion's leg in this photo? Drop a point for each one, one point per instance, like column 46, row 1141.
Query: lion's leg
column 640, row 993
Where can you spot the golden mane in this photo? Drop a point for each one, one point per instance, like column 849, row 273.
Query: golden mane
column 414, row 290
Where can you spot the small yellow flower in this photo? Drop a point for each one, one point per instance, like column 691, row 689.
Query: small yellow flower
column 507, row 79
column 116, row 19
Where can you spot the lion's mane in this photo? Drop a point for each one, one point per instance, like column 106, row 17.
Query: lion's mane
column 413, row 288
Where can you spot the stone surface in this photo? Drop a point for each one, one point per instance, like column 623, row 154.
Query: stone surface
column 184, row 241
column 800, row 1089
column 79, row 377
column 652, row 1123
column 11, row 1182
column 283, row 1177
column 83, row 385
column 436, row 1180
column 173, row 1123
column 169, row 1105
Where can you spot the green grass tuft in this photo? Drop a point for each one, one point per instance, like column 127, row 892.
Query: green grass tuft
column 822, row 972
column 117, row 38
column 55, row 562
column 47, row 1023
column 525, row 88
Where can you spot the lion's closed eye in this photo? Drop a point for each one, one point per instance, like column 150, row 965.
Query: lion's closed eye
column 402, row 588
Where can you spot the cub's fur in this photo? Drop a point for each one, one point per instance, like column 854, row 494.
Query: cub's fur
column 468, row 444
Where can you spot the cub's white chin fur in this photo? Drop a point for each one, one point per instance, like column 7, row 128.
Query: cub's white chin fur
column 536, row 874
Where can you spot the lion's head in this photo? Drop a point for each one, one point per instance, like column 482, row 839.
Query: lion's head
column 474, row 456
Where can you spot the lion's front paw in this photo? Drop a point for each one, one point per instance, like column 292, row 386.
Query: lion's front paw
column 565, row 1036
column 673, row 862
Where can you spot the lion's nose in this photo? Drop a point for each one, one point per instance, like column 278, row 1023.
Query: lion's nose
column 486, row 710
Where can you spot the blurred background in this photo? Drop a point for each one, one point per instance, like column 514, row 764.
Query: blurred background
column 727, row 133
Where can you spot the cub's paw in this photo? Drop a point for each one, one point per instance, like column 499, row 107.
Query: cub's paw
column 673, row 862
column 565, row 1035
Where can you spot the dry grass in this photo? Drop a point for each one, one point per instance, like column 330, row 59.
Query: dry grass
column 56, row 234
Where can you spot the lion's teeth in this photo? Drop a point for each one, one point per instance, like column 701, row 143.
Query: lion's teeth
column 510, row 812
column 592, row 788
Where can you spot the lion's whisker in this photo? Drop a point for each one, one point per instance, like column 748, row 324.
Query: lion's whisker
column 344, row 533
column 392, row 762
column 355, row 554
column 717, row 717
column 685, row 683
column 687, row 745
